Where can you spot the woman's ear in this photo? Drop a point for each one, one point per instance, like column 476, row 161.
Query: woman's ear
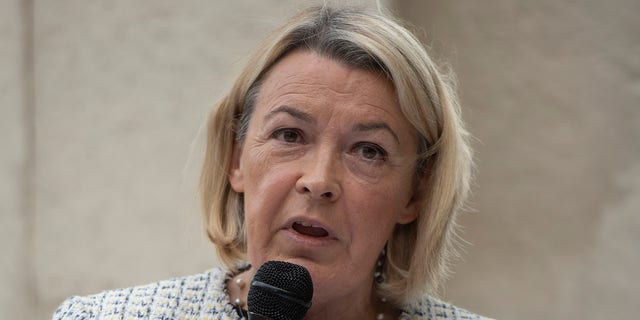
column 407, row 216
column 410, row 211
column 236, row 177
column 416, row 202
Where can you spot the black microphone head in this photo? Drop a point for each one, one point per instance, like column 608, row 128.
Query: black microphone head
column 280, row 291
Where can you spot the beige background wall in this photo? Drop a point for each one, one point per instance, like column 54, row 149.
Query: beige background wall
column 551, row 90
column 16, row 214
column 102, row 104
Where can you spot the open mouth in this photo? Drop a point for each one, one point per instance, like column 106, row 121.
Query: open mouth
column 309, row 229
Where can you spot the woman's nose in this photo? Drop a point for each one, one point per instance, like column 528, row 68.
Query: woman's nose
column 320, row 177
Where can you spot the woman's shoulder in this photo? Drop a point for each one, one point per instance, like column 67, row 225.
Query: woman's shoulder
column 433, row 309
column 199, row 296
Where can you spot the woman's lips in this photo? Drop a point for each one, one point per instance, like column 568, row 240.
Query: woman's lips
column 305, row 233
column 309, row 229
column 302, row 243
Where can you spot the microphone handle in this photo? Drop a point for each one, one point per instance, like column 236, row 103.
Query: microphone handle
column 255, row 316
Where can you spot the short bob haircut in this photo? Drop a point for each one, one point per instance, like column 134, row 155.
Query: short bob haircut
column 418, row 253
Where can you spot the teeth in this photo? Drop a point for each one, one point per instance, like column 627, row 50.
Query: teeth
column 306, row 224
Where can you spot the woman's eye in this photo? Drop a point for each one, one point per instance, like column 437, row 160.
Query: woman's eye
column 288, row 135
column 369, row 151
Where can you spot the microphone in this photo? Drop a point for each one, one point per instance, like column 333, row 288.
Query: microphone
column 280, row 291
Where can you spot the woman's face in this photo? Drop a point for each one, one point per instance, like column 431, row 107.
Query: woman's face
column 327, row 170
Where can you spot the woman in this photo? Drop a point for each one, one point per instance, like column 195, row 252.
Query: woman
column 339, row 148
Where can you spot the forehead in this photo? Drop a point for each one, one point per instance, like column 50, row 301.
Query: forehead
column 311, row 80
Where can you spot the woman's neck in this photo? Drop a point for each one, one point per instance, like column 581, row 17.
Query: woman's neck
column 352, row 307
column 345, row 308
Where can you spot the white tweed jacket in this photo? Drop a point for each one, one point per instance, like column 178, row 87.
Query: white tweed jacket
column 201, row 296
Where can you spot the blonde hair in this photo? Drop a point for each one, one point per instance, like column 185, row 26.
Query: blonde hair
column 418, row 253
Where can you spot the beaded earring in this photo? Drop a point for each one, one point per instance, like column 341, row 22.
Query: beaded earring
column 378, row 275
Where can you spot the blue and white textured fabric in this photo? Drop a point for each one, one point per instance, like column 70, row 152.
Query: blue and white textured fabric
column 201, row 296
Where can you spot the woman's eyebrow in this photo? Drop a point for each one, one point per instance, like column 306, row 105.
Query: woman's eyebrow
column 305, row 117
column 373, row 126
column 292, row 112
